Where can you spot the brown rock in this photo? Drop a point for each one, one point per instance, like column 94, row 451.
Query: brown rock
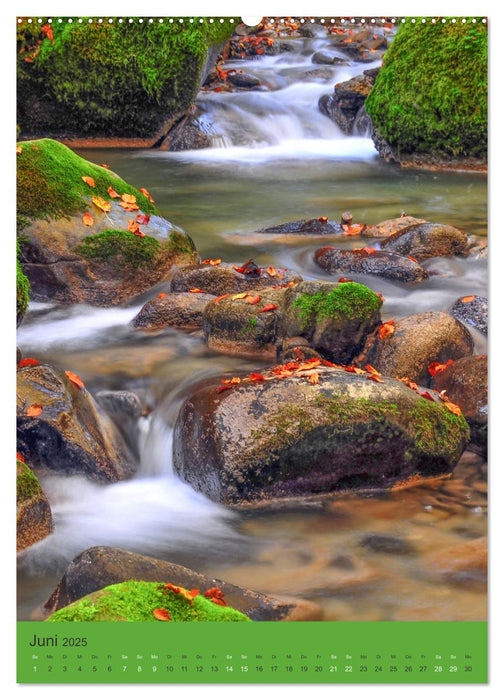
column 465, row 563
column 184, row 311
column 224, row 279
column 390, row 227
column 418, row 341
column 428, row 240
column 397, row 268
column 33, row 512
column 98, row 567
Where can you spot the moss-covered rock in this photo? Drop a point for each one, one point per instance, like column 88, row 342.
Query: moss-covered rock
column 429, row 101
column 296, row 438
column 22, row 289
column 97, row 260
column 33, row 513
column 135, row 601
column 112, row 79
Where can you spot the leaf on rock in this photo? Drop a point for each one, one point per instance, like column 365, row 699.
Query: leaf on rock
column 271, row 271
column 242, row 295
column 222, row 296
column 322, row 219
column 87, row 219
column 253, row 299
column 129, row 207
column 195, row 290
column 161, row 614
column 112, row 193
column 18, row 456
column 28, row 361
column 342, row 280
column 88, row 180
column 128, row 198
column 101, row 203
column 75, row 379
column 19, row 150
column 437, row 367
column 453, row 408
column 409, row 383
column 143, row 219
column 268, row 307
column 353, row 230
column 427, row 396
column 34, row 410
column 133, row 227
column 314, row 378
column 107, row 167
column 256, row 377
column 466, row 300
column 386, row 329
column 161, row 295
column 146, row 193
column 211, row 261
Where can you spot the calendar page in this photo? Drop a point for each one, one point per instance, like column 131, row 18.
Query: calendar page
column 251, row 381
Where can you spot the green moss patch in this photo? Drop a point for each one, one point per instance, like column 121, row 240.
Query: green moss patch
column 122, row 248
column 135, row 601
column 347, row 301
column 22, row 288
column 437, row 429
column 431, row 94
column 27, row 484
column 50, row 185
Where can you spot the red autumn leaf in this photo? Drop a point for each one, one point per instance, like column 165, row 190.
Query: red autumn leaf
column 146, row 193
column 47, row 30
column 18, row 149
column 34, row 410
column 107, row 167
column 194, row 592
column 88, row 180
column 211, row 261
column 101, row 203
column 314, row 378
column 256, row 377
column 376, row 378
column 143, row 219
column 253, row 300
column 268, row 307
column 355, row 370
column 161, row 295
column 128, row 198
column 87, row 219
column 260, row 52
column 171, row 587
column 222, row 296
column 219, row 601
column 161, row 614
column 75, row 379
column 189, row 595
column 386, row 329
column 428, row 396
column 28, row 60
column 112, row 193
column 453, row 408
column 224, row 387
column 466, row 300
column 437, row 367
column 342, row 280
column 372, row 370
column 329, row 364
column 18, row 456
column 232, row 381
column 28, row 361
column 412, row 258
column 409, row 383
column 309, row 364
column 195, row 290
column 322, row 219
column 353, row 230
column 213, row 593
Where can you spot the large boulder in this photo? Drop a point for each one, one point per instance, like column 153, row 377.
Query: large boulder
column 74, row 249
column 428, row 240
column 182, row 310
column 224, row 278
column 429, row 101
column 368, row 261
column 99, row 567
column 307, row 432
column 319, row 227
column 348, row 99
column 417, row 342
column 33, row 512
column 132, row 79
column 466, row 383
column 59, row 427
column 473, row 311
column 387, row 228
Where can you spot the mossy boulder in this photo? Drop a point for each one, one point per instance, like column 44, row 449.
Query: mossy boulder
column 417, row 342
column 100, row 261
column 182, row 310
column 429, row 100
column 291, row 437
column 65, row 431
column 428, row 240
column 22, row 289
column 397, row 268
column 120, row 79
column 135, row 601
column 336, row 319
column 33, row 512
column 224, row 279
column 98, row 567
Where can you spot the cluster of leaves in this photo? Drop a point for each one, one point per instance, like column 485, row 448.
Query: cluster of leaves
column 431, row 93
column 123, row 248
column 214, row 595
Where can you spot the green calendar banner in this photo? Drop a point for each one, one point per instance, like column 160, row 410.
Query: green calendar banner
column 337, row 652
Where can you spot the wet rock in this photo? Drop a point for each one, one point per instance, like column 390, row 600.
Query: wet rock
column 320, row 227
column 178, row 310
column 397, row 268
column 473, row 311
column 427, row 241
column 322, row 74
column 347, row 102
column 187, row 135
column 297, row 349
column 125, row 409
column 290, row 438
column 33, row 512
column 224, row 279
column 98, row 567
column 391, row 226
column 387, row 544
column 466, row 384
column 463, row 564
column 237, row 327
column 329, row 58
column 417, row 342
column 336, row 319
column 243, row 80
column 69, row 434
column 362, row 125
column 313, row 30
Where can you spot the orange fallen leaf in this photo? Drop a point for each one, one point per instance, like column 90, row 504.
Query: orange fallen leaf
column 196, row 290
column 381, row 297
column 88, row 180
column 386, row 329
column 133, row 227
column 87, row 219
column 34, row 410
column 253, row 300
column 372, row 370
column 161, row 295
column 129, row 207
column 310, row 364
column 353, row 230
column 18, row 456
column 268, row 307
column 112, row 193
column 224, row 387
column 428, row 396
column 129, row 198
column 75, row 379
column 232, row 381
column 104, row 165
column 242, row 295
column 211, row 261
column 28, row 362
column 101, row 203
column 146, row 193
column 218, row 601
column 437, row 367
column 18, row 149
column 376, row 378
column 466, row 300
column 322, row 219
column 410, row 257
column 355, row 370
column 222, row 296
column 271, row 271
column 161, row 614
column 314, row 378
column 329, row 364
column 342, row 280
column 143, row 219
column 189, row 595
column 256, row 377
column 409, row 383
column 453, row 408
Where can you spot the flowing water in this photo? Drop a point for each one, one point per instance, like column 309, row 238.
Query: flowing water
column 274, row 159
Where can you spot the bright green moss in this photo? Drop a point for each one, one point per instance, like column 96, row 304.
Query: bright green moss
column 180, row 244
column 122, row 247
column 345, row 302
column 135, row 601
column 22, row 289
column 431, row 94
column 50, row 185
column 437, row 429
column 112, row 79
column 27, row 484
